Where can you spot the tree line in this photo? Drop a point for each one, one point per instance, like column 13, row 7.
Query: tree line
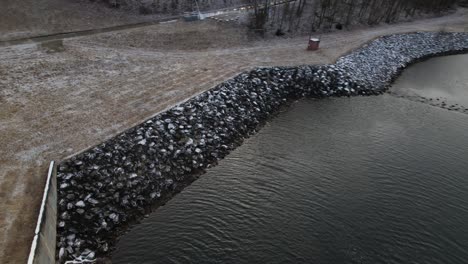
column 313, row 15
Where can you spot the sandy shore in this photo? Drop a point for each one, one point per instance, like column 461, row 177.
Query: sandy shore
column 53, row 105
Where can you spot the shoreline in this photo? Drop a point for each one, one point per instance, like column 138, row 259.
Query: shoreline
column 104, row 189
column 58, row 105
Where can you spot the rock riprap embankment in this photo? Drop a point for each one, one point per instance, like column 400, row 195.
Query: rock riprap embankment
column 104, row 189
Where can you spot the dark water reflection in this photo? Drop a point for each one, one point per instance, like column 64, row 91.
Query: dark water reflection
column 359, row 180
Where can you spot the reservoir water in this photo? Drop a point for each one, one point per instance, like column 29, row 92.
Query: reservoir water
column 379, row 179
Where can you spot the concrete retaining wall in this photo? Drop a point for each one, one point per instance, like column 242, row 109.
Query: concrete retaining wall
column 43, row 246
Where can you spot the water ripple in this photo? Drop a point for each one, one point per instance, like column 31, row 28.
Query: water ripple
column 362, row 180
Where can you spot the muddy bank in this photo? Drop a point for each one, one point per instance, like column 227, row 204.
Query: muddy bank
column 107, row 187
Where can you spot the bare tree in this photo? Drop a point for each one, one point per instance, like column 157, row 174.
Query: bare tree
column 324, row 14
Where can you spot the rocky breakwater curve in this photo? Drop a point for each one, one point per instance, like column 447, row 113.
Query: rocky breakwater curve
column 376, row 64
column 103, row 190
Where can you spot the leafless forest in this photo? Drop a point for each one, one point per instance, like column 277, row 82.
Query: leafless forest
column 313, row 15
column 300, row 16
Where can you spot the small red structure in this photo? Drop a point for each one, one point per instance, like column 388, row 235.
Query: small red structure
column 313, row 44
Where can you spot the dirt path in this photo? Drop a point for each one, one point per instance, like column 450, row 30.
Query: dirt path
column 55, row 105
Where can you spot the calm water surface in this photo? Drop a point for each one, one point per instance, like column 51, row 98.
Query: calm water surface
column 359, row 180
column 443, row 78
